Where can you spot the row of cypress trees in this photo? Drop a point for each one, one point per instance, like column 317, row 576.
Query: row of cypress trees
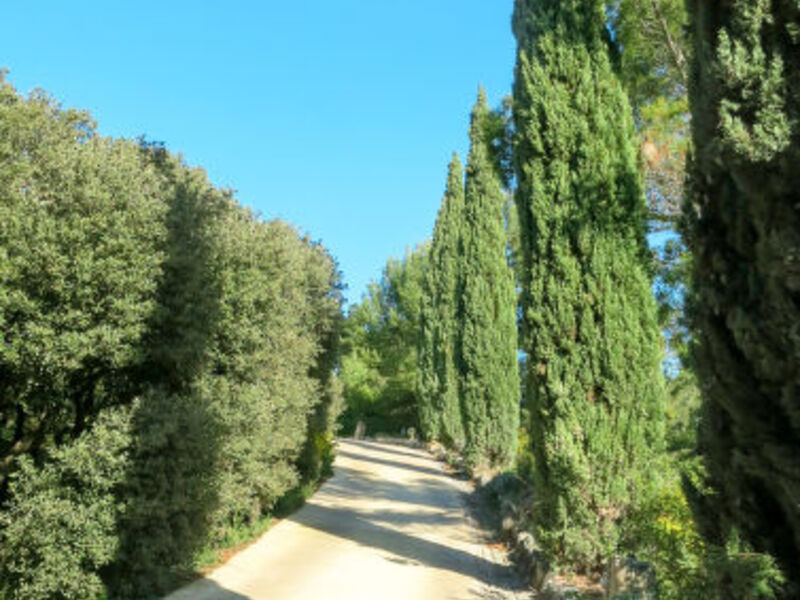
column 167, row 360
column 594, row 386
column 589, row 327
column 468, row 380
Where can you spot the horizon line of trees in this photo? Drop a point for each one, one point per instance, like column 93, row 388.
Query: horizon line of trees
column 167, row 361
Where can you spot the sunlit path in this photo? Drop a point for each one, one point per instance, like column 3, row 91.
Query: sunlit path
column 389, row 524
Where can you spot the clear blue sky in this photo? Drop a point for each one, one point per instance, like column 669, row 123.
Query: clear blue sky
column 337, row 115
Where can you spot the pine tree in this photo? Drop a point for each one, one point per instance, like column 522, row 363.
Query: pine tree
column 440, row 409
column 743, row 225
column 594, row 384
column 487, row 350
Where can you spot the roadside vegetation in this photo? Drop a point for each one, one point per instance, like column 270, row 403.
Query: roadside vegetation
column 640, row 193
column 603, row 326
column 145, row 414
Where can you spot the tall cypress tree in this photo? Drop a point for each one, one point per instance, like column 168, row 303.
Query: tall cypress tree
column 594, row 383
column 440, row 411
column 743, row 224
column 427, row 380
column 487, row 351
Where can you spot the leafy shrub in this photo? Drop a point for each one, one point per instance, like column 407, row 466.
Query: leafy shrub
column 738, row 572
column 59, row 529
column 81, row 232
column 124, row 274
column 169, row 492
column 662, row 532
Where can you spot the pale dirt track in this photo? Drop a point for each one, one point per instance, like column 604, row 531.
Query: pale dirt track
column 389, row 525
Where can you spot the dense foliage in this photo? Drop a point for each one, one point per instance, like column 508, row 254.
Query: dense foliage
column 486, row 348
column 172, row 367
column 594, row 384
column 439, row 398
column 743, row 227
column 167, row 360
column 380, row 343
column 82, row 238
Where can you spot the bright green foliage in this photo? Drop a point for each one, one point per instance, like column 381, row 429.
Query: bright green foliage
column 379, row 368
column 662, row 532
column 743, row 226
column 59, row 529
column 487, row 323
column 595, row 387
column 440, row 407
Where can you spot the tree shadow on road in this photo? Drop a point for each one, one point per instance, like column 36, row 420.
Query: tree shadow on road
column 389, row 448
column 391, row 463
column 353, row 483
column 349, row 524
column 205, row 589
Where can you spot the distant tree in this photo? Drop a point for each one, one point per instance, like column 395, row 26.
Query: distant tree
column 595, row 388
column 653, row 61
column 743, row 226
column 440, row 407
column 486, row 350
column 380, row 341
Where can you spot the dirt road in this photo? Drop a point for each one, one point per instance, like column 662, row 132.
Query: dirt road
column 390, row 524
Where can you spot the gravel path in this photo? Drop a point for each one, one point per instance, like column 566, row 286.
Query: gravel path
column 390, row 524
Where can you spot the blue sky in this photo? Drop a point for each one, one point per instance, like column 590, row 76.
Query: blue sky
column 337, row 115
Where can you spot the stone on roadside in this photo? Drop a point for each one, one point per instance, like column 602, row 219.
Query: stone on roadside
column 630, row 579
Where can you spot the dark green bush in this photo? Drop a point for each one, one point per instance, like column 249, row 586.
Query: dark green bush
column 169, row 492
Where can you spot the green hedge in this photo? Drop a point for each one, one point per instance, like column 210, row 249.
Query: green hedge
column 168, row 360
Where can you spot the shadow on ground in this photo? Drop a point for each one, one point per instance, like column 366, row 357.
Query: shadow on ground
column 205, row 588
column 389, row 449
column 428, row 507
column 392, row 463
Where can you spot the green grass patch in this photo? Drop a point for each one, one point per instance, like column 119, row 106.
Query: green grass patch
column 231, row 542
column 235, row 538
